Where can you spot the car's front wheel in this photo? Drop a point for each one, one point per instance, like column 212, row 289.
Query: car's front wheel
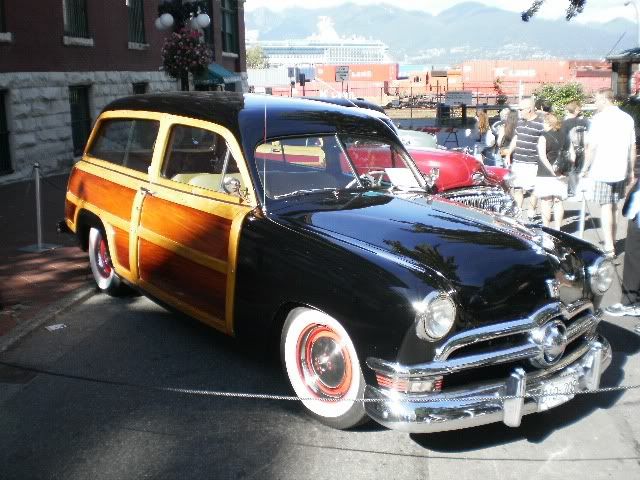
column 101, row 266
column 323, row 367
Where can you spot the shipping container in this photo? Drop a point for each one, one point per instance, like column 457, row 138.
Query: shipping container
column 536, row 71
column 374, row 72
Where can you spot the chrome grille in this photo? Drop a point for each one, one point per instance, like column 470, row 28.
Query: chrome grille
column 492, row 199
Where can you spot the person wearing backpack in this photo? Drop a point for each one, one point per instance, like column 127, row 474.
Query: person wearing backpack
column 573, row 131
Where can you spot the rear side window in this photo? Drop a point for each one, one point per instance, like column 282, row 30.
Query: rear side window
column 126, row 142
column 200, row 158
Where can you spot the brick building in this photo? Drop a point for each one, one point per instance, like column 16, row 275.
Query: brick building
column 62, row 62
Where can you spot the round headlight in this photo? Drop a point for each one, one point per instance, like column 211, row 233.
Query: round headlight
column 435, row 317
column 601, row 275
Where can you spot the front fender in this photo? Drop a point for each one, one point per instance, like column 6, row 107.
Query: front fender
column 371, row 295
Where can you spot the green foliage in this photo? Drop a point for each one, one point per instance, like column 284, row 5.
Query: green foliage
column 560, row 95
column 633, row 109
column 256, row 58
column 575, row 7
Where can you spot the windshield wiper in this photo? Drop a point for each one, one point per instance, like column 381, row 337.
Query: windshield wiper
column 302, row 192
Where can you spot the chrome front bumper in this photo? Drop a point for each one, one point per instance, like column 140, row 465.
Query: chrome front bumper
column 484, row 403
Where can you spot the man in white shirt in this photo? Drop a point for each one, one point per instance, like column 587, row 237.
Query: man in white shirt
column 609, row 159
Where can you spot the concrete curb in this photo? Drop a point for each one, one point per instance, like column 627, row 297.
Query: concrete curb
column 48, row 313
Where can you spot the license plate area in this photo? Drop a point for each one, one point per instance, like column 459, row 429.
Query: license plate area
column 557, row 391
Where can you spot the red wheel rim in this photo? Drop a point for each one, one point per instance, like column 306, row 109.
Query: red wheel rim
column 324, row 362
column 103, row 259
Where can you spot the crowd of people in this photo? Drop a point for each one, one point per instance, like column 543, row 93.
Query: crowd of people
column 553, row 159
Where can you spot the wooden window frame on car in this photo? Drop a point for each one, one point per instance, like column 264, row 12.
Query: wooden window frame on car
column 167, row 122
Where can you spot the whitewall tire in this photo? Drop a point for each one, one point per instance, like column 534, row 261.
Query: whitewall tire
column 323, row 367
column 101, row 266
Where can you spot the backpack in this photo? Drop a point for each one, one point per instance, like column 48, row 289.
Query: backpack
column 576, row 144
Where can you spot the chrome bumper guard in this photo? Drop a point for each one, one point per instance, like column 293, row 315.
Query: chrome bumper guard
column 475, row 405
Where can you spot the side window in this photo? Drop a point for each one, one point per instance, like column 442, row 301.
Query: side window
column 305, row 151
column 201, row 158
column 126, row 142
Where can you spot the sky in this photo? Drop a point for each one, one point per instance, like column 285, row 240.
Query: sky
column 595, row 10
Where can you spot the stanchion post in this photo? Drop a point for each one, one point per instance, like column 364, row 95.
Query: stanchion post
column 39, row 247
column 583, row 205
column 36, row 167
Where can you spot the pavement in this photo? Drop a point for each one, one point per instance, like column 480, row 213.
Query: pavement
column 36, row 286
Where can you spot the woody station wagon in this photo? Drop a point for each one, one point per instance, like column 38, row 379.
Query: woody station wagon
column 274, row 219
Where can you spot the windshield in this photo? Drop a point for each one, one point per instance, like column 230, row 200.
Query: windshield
column 302, row 165
column 414, row 138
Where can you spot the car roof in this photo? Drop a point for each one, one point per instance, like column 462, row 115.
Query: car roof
column 245, row 114
column 349, row 102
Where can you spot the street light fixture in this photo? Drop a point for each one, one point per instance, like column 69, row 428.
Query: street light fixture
column 179, row 14
column 635, row 5
column 183, row 51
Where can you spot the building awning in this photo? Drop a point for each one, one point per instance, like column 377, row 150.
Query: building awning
column 632, row 55
column 216, row 75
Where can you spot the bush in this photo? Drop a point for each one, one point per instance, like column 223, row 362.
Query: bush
column 560, row 95
column 633, row 109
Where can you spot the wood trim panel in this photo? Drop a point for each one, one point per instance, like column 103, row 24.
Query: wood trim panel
column 186, row 281
column 69, row 211
column 104, row 194
column 122, row 247
column 201, row 231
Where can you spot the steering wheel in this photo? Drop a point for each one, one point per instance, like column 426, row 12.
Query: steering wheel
column 368, row 179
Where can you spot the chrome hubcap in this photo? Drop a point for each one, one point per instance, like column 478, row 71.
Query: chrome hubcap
column 323, row 362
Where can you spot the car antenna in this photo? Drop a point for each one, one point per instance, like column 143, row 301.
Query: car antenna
column 336, row 91
column 264, row 164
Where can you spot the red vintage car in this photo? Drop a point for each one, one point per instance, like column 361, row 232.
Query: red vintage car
column 458, row 175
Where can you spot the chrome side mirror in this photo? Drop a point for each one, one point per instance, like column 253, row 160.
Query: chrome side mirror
column 231, row 185
column 432, row 176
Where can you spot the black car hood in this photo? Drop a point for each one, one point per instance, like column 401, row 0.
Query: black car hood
column 498, row 268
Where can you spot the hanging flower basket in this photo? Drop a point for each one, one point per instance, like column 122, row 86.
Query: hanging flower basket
column 183, row 53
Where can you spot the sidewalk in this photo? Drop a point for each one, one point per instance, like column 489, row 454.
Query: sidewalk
column 31, row 283
column 33, row 286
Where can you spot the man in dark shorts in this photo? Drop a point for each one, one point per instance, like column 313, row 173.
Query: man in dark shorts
column 609, row 160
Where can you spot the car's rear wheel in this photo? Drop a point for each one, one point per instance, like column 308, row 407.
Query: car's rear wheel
column 323, row 367
column 101, row 266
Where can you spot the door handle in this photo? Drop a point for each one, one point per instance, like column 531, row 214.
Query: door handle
column 146, row 191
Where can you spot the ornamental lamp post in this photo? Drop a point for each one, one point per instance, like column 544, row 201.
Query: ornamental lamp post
column 183, row 17
column 635, row 5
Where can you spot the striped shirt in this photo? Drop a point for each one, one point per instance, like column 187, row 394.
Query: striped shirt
column 528, row 132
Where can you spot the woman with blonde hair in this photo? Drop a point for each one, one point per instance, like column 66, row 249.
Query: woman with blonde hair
column 483, row 149
column 550, row 188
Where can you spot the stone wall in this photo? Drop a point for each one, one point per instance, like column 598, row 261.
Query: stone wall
column 39, row 117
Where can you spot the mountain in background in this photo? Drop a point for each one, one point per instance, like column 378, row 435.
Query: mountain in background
column 463, row 32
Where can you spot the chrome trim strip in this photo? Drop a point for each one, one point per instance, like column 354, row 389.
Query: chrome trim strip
column 475, row 406
column 512, row 354
column 487, row 332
